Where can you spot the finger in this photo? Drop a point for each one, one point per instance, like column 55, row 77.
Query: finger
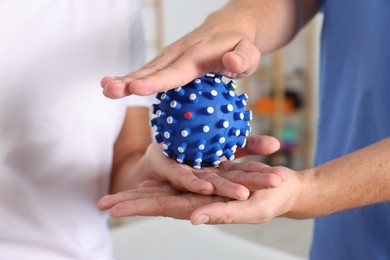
column 157, row 63
column 114, row 88
column 231, row 212
column 109, row 201
column 118, row 86
column 179, row 207
column 149, row 183
column 224, row 187
column 256, row 167
column 177, row 74
column 152, row 207
column 181, row 176
column 279, row 170
column 253, row 175
column 242, row 61
column 105, row 80
column 253, row 180
column 164, row 59
column 250, row 166
column 259, row 145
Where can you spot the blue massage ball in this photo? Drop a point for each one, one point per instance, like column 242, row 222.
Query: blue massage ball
column 202, row 121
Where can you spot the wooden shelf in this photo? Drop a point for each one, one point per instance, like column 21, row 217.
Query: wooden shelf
column 279, row 118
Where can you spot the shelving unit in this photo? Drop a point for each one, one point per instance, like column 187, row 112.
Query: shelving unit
column 282, row 105
column 154, row 26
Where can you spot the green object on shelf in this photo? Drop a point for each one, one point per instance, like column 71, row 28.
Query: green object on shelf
column 289, row 134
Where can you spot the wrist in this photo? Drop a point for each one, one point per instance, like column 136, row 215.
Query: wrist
column 140, row 172
column 303, row 200
column 129, row 173
column 232, row 21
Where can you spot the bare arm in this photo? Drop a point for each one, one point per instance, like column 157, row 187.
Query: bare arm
column 229, row 42
column 358, row 179
column 269, row 24
column 129, row 148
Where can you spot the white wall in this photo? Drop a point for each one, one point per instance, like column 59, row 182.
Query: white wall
column 182, row 16
column 179, row 18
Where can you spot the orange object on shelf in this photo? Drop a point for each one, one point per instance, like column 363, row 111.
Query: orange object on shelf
column 268, row 105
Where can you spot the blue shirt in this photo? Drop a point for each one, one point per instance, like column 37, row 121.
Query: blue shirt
column 354, row 112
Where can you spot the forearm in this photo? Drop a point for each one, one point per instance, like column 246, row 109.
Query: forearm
column 269, row 24
column 358, row 179
column 129, row 149
column 128, row 174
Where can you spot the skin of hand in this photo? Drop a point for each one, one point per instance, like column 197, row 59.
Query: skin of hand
column 236, row 184
column 357, row 179
column 161, row 199
column 229, row 42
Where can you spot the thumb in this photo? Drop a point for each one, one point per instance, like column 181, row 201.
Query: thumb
column 259, row 145
column 242, row 61
column 232, row 212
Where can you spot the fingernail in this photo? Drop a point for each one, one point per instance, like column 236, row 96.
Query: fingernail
column 202, row 219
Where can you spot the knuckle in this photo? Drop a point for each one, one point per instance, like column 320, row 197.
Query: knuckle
column 278, row 170
column 229, row 216
column 200, row 45
column 229, row 219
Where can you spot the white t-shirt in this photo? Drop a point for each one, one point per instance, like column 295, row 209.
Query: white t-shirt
column 56, row 128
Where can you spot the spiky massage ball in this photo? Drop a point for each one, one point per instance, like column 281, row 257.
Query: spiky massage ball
column 201, row 121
